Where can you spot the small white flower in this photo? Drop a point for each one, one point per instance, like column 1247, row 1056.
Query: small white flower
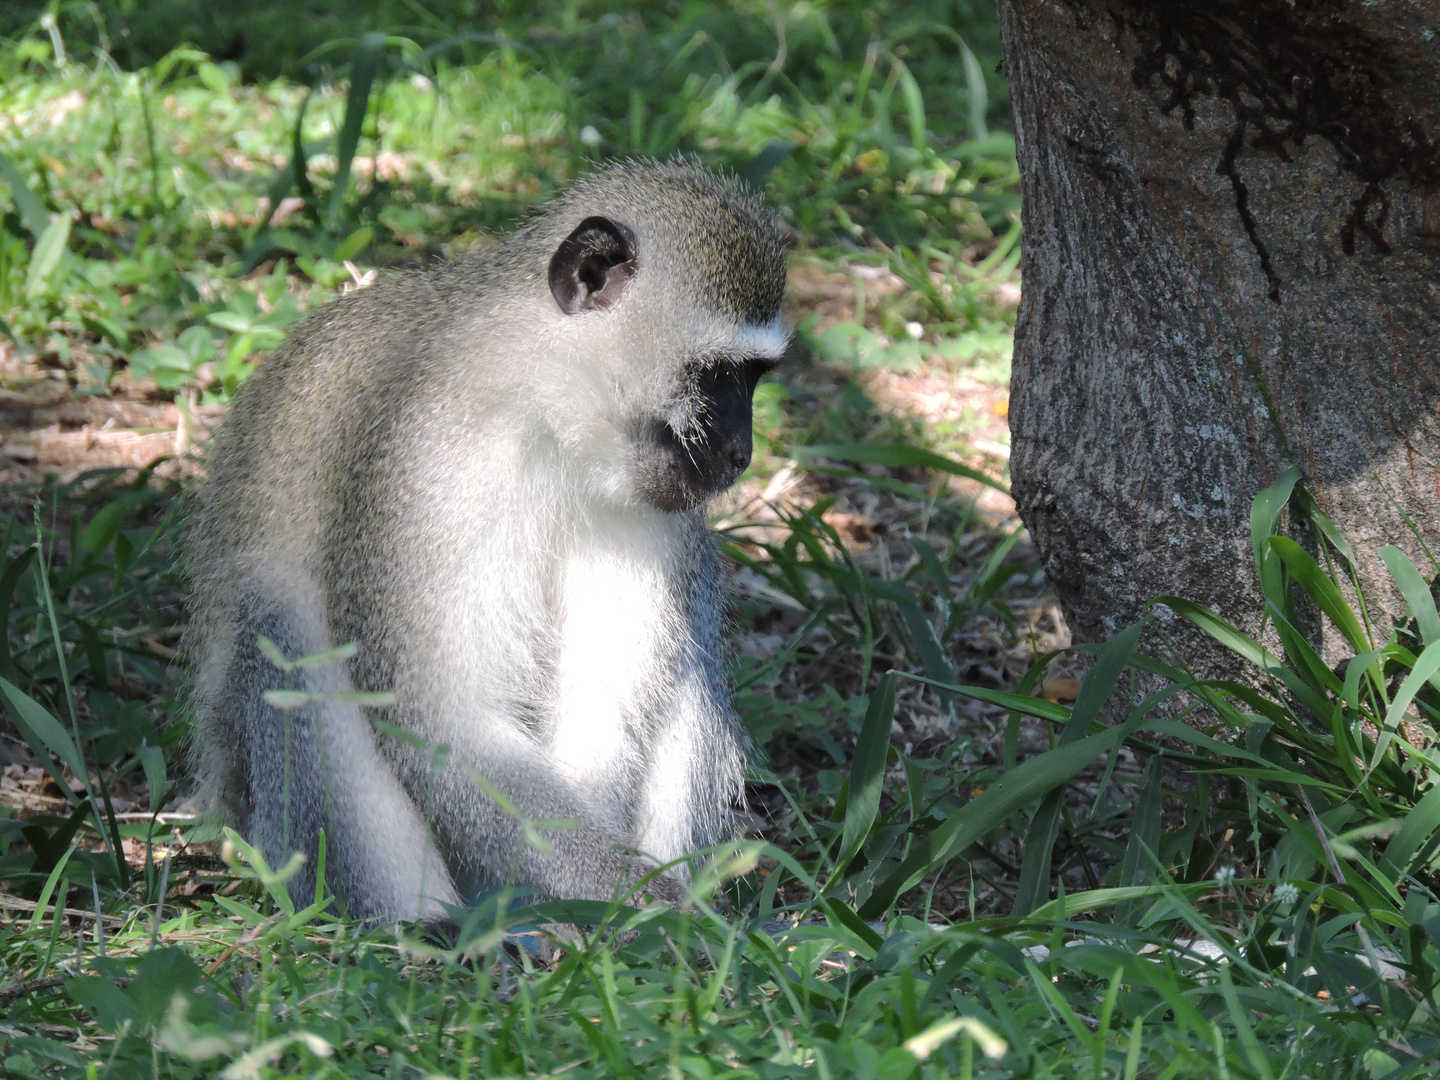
column 589, row 136
column 420, row 83
column 915, row 330
column 1225, row 876
column 1286, row 894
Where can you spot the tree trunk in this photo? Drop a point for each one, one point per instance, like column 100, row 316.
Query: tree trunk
column 1232, row 265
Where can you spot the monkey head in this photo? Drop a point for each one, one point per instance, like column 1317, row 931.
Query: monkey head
column 677, row 279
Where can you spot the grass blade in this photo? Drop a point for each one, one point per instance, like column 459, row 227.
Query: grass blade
column 44, row 260
column 368, row 55
column 1143, row 848
column 1083, row 903
column 1034, row 886
column 896, row 456
column 932, row 653
column 1321, row 588
column 1221, row 630
column 299, row 162
column 14, row 570
column 914, row 103
column 1132, row 1052
column 1425, row 666
column 837, row 911
column 867, row 771
column 1028, row 781
column 32, row 211
column 1100, row 683
column 1416, row 830
column 152, row 760
column 976, row 92
column 36, row 723
column 925, row 1043
column 49, row 889
column 1305, row 504
column 1248, row 1042
column 1030, row 706
column 766, row 162
column 1265, row 514
column 1416, row 592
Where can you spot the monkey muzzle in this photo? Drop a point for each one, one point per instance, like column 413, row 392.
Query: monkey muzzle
column 680, row 466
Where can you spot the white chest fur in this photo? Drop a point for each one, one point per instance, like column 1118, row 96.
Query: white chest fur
column 620, row 631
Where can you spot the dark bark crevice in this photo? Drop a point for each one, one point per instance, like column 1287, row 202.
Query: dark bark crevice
column 1293, row 69
column 1290, row 71
column 1228, row 170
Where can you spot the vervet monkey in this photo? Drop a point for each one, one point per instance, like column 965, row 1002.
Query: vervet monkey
column 491, row 475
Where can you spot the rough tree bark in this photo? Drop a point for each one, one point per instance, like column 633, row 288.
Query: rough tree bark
column 1232, row 264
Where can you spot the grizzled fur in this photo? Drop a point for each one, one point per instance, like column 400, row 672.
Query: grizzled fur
column 491, row 476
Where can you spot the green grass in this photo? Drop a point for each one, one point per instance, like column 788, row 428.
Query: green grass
column 958, row 877
column 169, row 173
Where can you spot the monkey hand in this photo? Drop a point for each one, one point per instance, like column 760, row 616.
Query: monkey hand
column 662, row 888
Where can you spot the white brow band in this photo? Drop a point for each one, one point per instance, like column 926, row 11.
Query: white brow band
column 767, row 341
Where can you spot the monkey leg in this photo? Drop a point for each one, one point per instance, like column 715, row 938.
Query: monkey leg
column 316, row 767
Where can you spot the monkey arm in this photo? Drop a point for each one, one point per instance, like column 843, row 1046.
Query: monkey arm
column 696, row 770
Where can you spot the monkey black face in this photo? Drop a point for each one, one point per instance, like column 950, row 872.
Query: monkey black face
column 592, row 265
column 682, row 464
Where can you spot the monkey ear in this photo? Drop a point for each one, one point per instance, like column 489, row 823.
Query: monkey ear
column 592, row 265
